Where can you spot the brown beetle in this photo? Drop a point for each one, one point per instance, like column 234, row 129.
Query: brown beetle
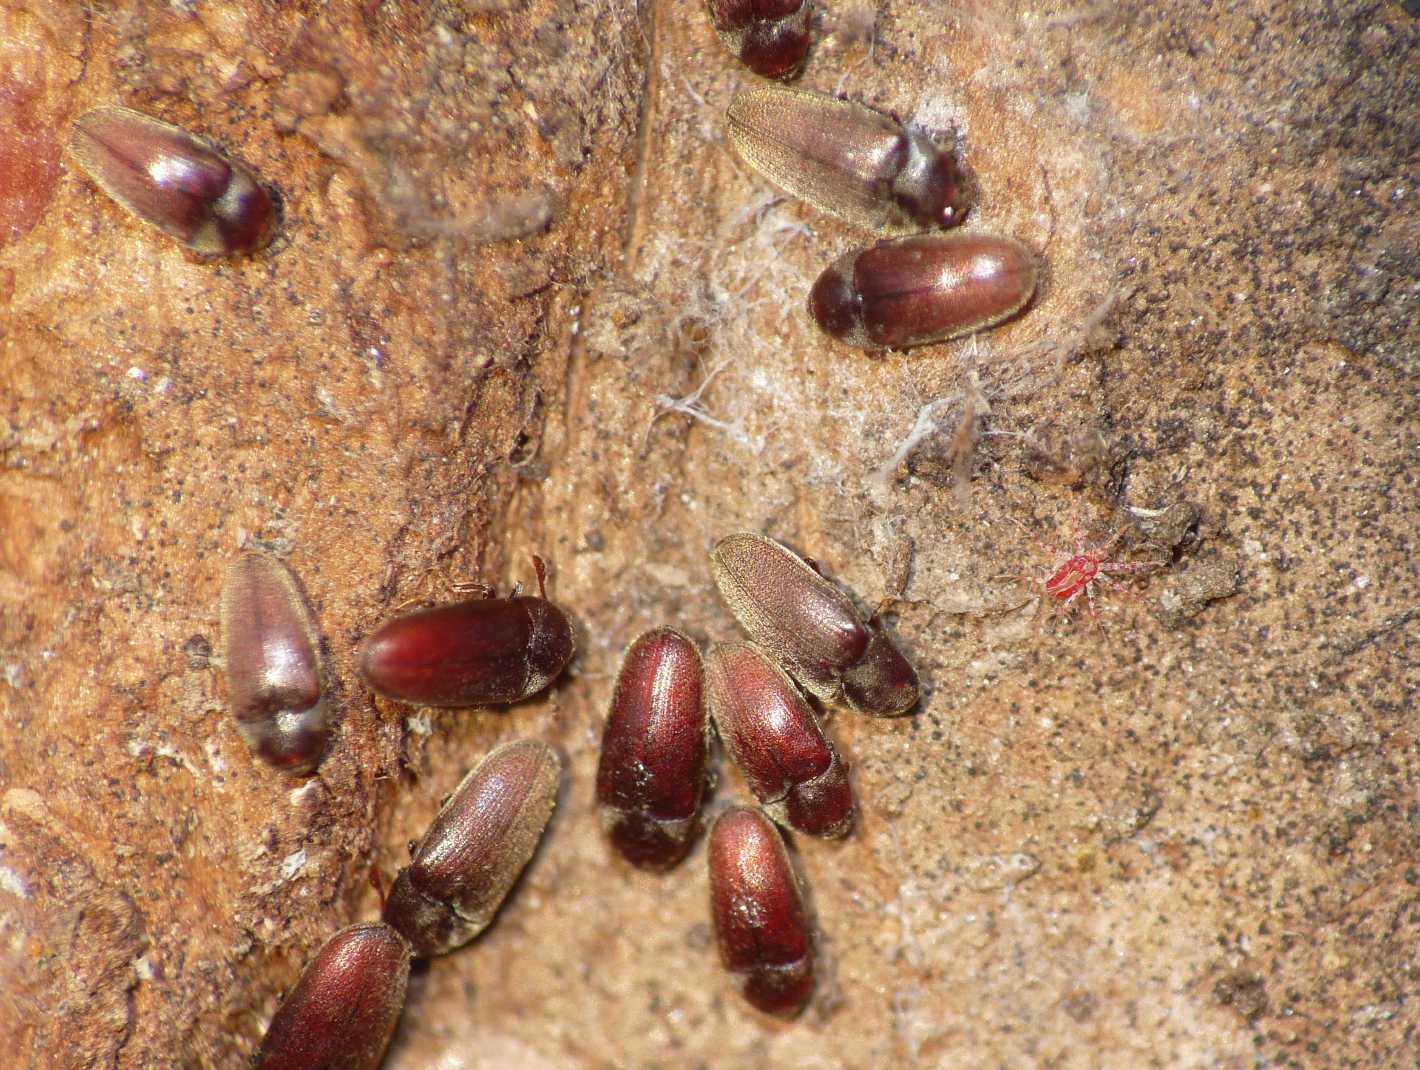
column 926, row 288
column 847, row 159
column 770, row 37
column 775, row 739
column 760, row 924
column 480, row 652
column 174, row 181
column 472, row 854
column 272, row 653
column 343, row 1010
column 811, row 627
column 651, row 776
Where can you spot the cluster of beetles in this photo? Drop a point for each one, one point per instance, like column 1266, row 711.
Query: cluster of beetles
column 805, row 635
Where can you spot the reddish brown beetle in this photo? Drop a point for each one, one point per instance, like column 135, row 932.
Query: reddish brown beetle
column 926, row 288
column 770, row 37
column 343, row 1010
column 472, row 854
column 760, row 924
column 174, row 181
column 481, row 652
column 775, row 739
column 847, row 159
column 651, row 776
column 272, row 652
column 810, row 626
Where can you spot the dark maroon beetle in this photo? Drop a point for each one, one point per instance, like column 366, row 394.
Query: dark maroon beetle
column 651, row 777
column 482, row 652
column 758, row 910
column 174, row 181
column 770, row 37
column 811, row 627
column 847, row 159
column 775, row 739
column 926, row 288
column 274, row 680
column 473, row 852
column 343, row 1010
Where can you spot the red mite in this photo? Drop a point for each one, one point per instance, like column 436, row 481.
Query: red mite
column 475, row 849
column 775, row 739
column 481, row 652
column 273, row 664
column 343, row 1010
column 760, row 924
column 770, row 37
column 651, row 776
column 174, row 181
column 1080, row 572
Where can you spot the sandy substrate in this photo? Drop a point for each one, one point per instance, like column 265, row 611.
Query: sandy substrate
column 524, row 300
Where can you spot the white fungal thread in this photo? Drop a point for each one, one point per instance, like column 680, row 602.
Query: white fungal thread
column 691, row 405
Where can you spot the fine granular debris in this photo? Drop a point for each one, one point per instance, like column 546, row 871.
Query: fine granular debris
column 522, row 298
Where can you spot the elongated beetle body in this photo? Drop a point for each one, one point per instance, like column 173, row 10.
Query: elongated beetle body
column 274, row 673
column 480, row 652
column 174, row 181
column 771, row 733
column 925, row 288
column 811, row 627
column 651, row 776
column 479, row 842
column 770, row 37
column 343, row 1010
column 761, row 927
column 846, row 159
